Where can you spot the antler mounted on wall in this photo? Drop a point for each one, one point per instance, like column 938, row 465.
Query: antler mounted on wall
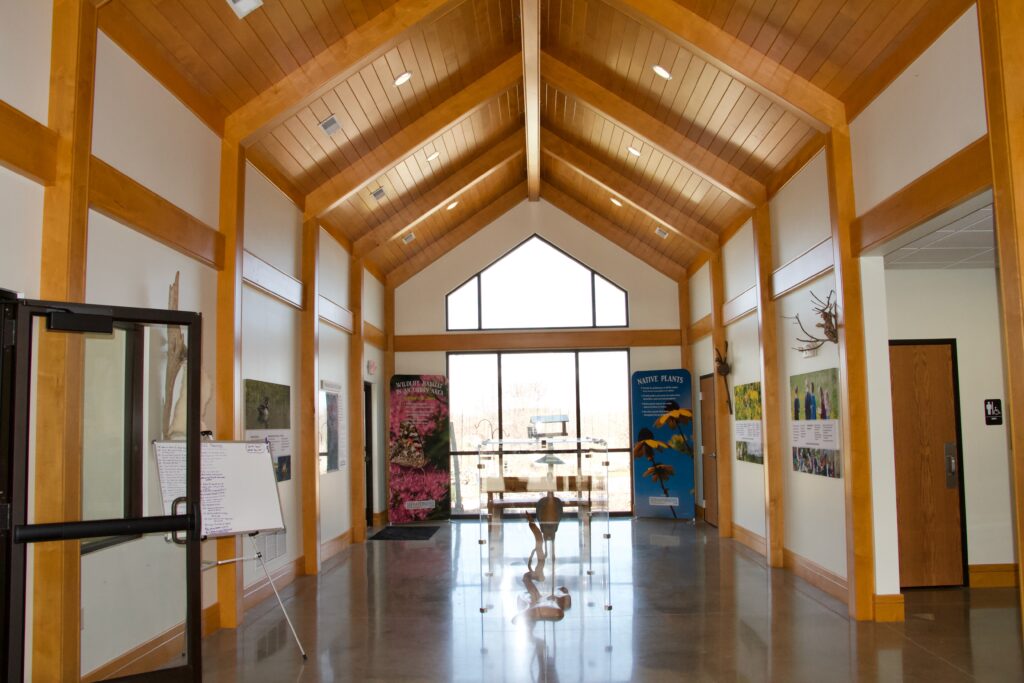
column 723, row 368
column 828, row 311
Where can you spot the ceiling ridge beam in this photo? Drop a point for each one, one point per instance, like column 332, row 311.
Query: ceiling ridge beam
column 658, row 134
column 449, row 189
column 457, row 235
column 612, row 232
column 658, row 210
column 444, row 116
column 341, row 59
column 530, row 20
column 739, row 60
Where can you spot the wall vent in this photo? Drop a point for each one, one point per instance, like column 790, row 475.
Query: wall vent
column 408, row 237
column 378, row 194
column 661, row 232
column 244, row 7
column 331, row 125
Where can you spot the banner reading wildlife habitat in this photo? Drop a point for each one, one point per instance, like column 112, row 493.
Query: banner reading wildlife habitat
column 662, row 433
column 419, row 468
column 814, row 428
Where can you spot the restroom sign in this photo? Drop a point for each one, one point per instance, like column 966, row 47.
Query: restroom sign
column 993, row 411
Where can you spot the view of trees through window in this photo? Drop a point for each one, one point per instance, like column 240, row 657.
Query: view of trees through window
column 494, row 395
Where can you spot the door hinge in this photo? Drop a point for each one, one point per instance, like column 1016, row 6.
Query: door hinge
column 8, row 333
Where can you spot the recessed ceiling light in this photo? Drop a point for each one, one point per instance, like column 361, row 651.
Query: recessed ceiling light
column 408, row 237
column 244, row 7
column 615, row 201
column 660, row 232
column 453, row 205
column 330, row 125
column 663, row 72
column 432, row 156
column 633, row 150
column 403, row 78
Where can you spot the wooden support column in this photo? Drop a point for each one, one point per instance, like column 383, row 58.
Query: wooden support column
column 56, row 595
column 771, row 405
column 389, row 371
column 860, row 563
column 1002, row 53
column 723, row 419
column 356, row 455
column 685, row 356
column 309, row 402
column 228, row 390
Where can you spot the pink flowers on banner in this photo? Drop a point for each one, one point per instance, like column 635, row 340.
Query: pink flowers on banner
column 410, row 484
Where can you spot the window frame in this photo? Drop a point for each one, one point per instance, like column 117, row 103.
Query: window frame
column 479, row 296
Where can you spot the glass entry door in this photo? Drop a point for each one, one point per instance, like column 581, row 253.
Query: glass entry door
column 87, row 521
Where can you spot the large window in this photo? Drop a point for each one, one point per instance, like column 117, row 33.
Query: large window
column 495, row 395
column 536, row 286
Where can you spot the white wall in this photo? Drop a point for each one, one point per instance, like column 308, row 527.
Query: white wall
column 701, row 358
column 700, row 293
column 799, row 212
column 931, row 111
column 964, row 305
column 21, row 228
column 25, row 36
column 273, row 225
column 738, row 262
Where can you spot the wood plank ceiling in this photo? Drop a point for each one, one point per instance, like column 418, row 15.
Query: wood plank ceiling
column 753, row 83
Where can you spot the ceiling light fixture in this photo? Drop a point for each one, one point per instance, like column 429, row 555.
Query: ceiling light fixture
column 633, row 150
column 660, row 232
column 403, row 78
column 432, row 156
column 662, row 71
column 453, row 205
column 408, row 237
column 242, row 8
column 615, row 201
column 330, row 125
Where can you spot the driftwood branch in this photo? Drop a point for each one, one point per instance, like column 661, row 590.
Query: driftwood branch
column 828, row 311
column 177, row 353
column 723, row 368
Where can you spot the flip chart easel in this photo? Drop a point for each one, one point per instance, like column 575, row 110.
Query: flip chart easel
column 238, row 495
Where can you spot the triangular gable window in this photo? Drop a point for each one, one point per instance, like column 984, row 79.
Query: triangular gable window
column 536, row 286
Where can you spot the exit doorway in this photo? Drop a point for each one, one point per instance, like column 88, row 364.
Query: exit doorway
column 709, row 448
column 368, row 449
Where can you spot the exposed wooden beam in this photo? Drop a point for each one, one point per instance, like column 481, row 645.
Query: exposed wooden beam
column 958, row 178
column 530, row 20
column 808, row 266
column 357, row 466
column 856, row 446
column 56, row 588
column 116, row 20
column 795, row 163
column 228, row 384
column 374, row 336
column 347, row 182
column 456, row 236
column 389, row 370
column 27, row 147
column 741, row 61
column 114, row 194
column 279, row 180
column 335, row 314
column 269, row 279
column 771, row 402
column 612, row 232
column 340, row 60
column 685, row 355
column 656, row 133
column 309, row 397
column 464, row 178
column 740, row 306
column 1002, row 52
column 613, row 182
column 516, row 341
column 700, row 329
column 723, row 416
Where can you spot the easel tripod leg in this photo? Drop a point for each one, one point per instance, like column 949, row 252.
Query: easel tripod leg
column 259, row 556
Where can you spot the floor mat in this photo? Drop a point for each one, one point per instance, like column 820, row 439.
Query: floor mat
column 405, row 533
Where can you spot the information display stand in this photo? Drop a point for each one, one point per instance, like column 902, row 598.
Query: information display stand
column 238, row 495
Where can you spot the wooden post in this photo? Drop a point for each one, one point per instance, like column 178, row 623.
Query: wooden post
column 309, row 402
column 356, row 456
column 389, row 371
column 56, row 592
column 1002, row 53
column 228, row 390
column 723, row 419
column 771, row 406
column 860, row 551
column 685, row 356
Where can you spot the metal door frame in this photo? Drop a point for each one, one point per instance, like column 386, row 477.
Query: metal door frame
column 16, row 327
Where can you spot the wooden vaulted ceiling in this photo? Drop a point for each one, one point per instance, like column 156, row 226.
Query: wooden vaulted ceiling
column 754, row 83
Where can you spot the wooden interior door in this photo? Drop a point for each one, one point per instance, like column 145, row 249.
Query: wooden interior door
column 709, row 448
column 925, row 416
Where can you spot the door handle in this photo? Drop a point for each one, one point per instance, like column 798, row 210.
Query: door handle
column 175, row 538
column 712, row 454
column 952, row 480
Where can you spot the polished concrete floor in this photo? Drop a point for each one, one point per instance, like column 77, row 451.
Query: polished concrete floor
column 685, row 606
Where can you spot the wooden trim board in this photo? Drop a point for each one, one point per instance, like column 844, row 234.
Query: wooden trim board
column 329, row 549
column 374, row 336
column 739, row 306
column 27, row 147
column 380, row 518
column 890, row 608
column 816, row 575
column 335, row 314
column 512, row 341
column 755, row 542
column 806, row 267
column 993, row 575
column 700, row 329
column 263, row 276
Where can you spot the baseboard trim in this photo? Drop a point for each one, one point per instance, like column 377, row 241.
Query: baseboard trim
column 748, row 538
column 816, row 575
column 260, row 590
column 329, row 549
column 992, row 575
column 153, row 653
column 698, row 512
column 380, row 518
column 890, row 608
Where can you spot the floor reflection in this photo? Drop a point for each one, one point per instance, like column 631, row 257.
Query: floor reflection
column 686, row 606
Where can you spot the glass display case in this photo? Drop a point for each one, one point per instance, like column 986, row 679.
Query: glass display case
column 544, row 529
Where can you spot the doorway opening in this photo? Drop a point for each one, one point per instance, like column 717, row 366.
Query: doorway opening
column 368, row 449
column 709, row 448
